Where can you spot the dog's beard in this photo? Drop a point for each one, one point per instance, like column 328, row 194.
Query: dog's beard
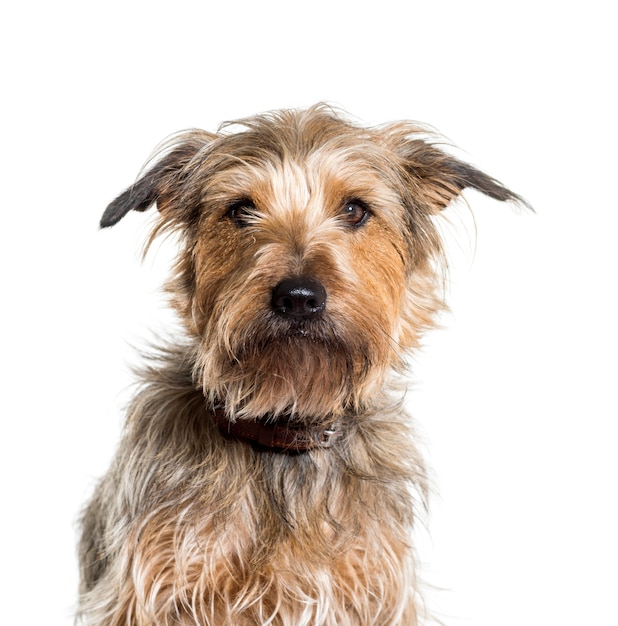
column 309, row 371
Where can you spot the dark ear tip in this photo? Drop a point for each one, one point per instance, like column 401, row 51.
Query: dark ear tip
column 517, row 200
column 467, row 176
column 524, row 203
column 137, row 198
column 113, row 214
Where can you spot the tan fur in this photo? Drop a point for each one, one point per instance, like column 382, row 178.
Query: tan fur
column 190, row 527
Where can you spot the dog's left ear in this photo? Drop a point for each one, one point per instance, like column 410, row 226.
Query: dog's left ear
column 439, row 177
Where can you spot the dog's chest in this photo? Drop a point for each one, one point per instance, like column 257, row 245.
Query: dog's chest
column 245, row 563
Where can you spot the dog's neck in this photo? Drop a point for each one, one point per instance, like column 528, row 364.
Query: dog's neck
column 278, row 435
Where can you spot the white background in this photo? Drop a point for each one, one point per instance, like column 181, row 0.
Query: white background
column 515, row 396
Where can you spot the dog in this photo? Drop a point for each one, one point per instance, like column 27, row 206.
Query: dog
column 268, row 473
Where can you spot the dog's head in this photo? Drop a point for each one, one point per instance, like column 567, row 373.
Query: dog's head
column 307, row 263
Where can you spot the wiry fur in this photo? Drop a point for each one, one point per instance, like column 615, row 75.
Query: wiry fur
column 189, row 527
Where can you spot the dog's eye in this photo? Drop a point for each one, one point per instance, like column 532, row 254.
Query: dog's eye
column 241, row 211
column 355, row 212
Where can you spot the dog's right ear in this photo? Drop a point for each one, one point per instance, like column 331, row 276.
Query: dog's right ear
column 160, row 181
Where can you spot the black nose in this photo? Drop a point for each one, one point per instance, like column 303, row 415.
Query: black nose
column 299, row 298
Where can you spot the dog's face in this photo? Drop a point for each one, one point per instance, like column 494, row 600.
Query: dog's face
column 307, row 266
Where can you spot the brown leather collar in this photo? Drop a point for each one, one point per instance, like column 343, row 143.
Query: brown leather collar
column 279, row 436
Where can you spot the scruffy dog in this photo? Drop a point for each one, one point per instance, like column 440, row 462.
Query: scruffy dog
column 268, row 473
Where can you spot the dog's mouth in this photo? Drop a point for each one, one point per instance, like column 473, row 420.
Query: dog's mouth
column 318, row 333
column 317, row 330
column 290, row 341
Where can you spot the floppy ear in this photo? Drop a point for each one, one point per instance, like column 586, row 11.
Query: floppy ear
column 160, row 181
column 438, row 177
